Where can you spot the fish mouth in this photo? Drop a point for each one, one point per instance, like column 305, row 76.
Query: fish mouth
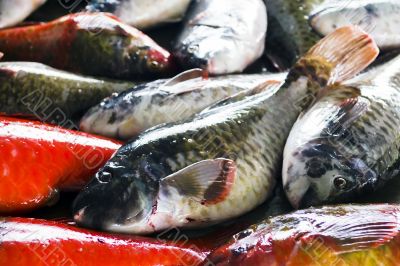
column 107, row 203
column 296, row 189
column 187, row 56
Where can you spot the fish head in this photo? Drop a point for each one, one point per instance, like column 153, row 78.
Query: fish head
column 122, row 115
column 318, row 166
column 120, row 198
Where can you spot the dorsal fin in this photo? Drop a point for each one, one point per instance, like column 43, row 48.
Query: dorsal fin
column 184, row 76
column 365, row 227
column 336, row 58
column 269, row 85
column 208, row 181
column 349, row 49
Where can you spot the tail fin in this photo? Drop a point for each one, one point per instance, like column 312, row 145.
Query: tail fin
column 338, row 57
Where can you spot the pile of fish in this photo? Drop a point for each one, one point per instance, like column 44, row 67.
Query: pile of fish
column 201, row 141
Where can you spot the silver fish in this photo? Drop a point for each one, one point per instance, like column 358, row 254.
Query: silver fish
column 142, row 14
column 348, row 143
column 380, row 18
column 219, row 164
column 13, row 12
column 127, row 114
column 223, row 36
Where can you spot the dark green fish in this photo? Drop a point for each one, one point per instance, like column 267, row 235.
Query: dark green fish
column 51, row 95
column 221, row 163
column 289, row 33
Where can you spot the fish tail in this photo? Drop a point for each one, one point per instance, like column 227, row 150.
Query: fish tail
column 337, row 57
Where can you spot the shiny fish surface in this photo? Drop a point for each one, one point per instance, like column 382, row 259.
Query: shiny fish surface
column 380, row 18
column 219, row 164
column 223, row 36
column 347, row 143
column 127, row 114
column 95, row 44
column 357, row 235
column 50, row 95
column 142, row 14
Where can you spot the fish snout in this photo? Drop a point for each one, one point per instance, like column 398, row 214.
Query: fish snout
column 111, row 200
column 296, row 190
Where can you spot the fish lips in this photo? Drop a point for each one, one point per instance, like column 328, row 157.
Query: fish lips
column 102, row 205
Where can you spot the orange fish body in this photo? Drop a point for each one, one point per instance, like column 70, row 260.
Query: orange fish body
column 37, row 160
column 356, row 235
column 95, row 44
column 33, row 242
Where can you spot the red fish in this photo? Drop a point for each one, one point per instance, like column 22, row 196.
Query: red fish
column 356, row 235
column 34, row 242
column 94, row 44
column 37, row 160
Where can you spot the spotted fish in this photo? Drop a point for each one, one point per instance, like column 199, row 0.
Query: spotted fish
column 129, row 113
column 219, row 164
column 347, row 143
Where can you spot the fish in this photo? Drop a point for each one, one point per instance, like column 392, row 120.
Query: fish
column 38, row 160
column 217, row 165
column 34, row 242
column 223, row 36
column 30, row 89
column 377, row 17
column 346, row 145
column 127, row 114
column 95, row 44
column 142, row 14
column 289, row 33
column 332, row 235
column 14, row 12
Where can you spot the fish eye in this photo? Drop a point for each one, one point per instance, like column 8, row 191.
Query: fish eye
column 340, row 182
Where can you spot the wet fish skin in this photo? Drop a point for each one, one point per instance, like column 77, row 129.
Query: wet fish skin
column 127, row 114
column 289, row 33
column 347, row 143
column 359, row 235
column 36, row 242
column 216, row 165
column 14, row 12
column 54, row 96
column 39, row 160
column 377, row 17
column 142, row 14
column 221, row 37
column 92, row 44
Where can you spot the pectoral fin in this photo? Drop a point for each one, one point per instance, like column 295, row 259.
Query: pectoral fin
column 208, row 181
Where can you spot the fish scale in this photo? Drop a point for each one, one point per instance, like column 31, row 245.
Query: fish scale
column 259, row 119
column 365, row 139
column 178, row 172
column 33, row 89
column 52, row 161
